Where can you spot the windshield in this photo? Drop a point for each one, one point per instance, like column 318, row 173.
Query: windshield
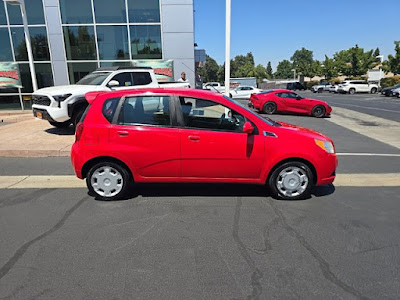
column 264, row 119
column 94, row 78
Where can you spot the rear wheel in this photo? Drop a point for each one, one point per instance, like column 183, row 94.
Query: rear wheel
column 320, row 90
column 108, row 181
column 373, row 90
column 352, row 91
column 60, row 124
column 291, row 181
column 318, row 111
column 269, row 108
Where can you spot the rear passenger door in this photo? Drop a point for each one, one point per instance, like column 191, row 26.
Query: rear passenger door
column 143, row 133
column 127, row 80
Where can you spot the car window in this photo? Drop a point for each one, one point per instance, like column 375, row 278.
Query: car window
column 124, row 79
column 109, row 108
column 141, row 78
column 151, row 110
column 206, row 114
column 278, row 94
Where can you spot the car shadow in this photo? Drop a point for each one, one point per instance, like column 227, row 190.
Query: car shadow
column 61, row 131
column 209, row 190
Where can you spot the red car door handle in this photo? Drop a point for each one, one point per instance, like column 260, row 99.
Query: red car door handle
column 194, row 138
column 123, row 133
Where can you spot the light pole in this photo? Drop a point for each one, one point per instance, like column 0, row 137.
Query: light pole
column 27, row 39
column 227, row 45
column 294, row 74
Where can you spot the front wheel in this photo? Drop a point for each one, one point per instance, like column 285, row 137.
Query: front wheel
column 352, row 91
column 318, row 111
column 76, row 117
column 269, row 108
column 60, row 124
column 108, row 181
column 291, row 181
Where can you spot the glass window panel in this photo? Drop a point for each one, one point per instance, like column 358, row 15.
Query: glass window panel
column 79, row 70
column 44, row 76
column 140, row 11
column 115, row 64
column 76, row 11
column 3, row 20
column 5, row 47
column 34, row 13
column 106, row 13
column 113, row 42
column 146, row 41
column 80, row 42
column 40, row 48
column 10, row 102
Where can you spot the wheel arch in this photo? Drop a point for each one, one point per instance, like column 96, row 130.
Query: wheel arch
column 294, row 159
column 90, row 163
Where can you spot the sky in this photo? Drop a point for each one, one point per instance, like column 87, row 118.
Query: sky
column 274, row 29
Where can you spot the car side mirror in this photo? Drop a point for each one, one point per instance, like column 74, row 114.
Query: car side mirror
column 299, row 98
column 113, row 83
column 248, row 128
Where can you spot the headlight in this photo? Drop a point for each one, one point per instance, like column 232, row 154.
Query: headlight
column 61, row 97
column 325, row 145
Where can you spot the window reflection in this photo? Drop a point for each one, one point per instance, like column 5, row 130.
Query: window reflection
column 44, row 76
column 40, row 48
column 76, row 11
column 3, row 20
column 80, row 42
column 79, row 70
column 106, row 13
column 35, row 14
column 5, row 47
column 113, row 42
column 140, row 11
column 146, row 41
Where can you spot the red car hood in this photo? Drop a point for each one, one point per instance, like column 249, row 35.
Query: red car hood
column 305, row 131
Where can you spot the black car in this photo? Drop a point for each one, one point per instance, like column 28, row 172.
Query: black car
column 389, row 90
column 295, row 86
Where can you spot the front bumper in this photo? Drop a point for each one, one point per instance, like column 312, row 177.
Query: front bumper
column 326, row 169
column 42, row 114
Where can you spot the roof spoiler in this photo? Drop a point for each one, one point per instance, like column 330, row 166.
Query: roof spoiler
column 91, row 96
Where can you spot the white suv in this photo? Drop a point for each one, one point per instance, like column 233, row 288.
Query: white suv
column 357, row 86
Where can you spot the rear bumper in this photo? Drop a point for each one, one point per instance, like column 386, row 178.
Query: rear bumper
column 77, row 160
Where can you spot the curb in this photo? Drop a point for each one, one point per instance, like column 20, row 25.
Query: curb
column 35, row 153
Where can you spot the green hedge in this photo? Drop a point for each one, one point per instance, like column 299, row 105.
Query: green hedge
column 309, row 84
column 390, row 81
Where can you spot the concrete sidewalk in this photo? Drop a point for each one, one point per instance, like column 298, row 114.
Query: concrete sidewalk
column 13, row 116
column 30, row 137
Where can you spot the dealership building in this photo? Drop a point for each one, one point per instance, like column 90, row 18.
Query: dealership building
column 71, row 38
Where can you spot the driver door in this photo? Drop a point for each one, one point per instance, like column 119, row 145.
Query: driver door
column 292, row 103
column 213, row 145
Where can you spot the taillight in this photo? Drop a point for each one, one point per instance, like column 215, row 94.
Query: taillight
column 78, row 132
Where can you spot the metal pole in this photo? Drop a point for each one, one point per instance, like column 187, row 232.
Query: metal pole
column 29, row 47
column 227, row 46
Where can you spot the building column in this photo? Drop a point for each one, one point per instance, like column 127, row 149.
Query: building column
column 56, row 42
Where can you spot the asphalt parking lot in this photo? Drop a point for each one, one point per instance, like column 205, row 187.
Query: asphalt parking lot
column 197, row 241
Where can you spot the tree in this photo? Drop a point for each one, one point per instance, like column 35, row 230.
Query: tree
column 269, row 71
column 303, row 62
column 210, row 70
column 377, row 52
column 260, row 73
column 329, row 68
column 393, row 62
column 242, row 65
column 284, row 69
column 355, row 61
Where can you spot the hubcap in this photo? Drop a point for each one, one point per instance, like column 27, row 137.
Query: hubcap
column 292, row 181
column 270, row 108
column 107, row 181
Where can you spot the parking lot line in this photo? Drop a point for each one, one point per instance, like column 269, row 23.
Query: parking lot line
column 368, row 154
column 373, row 108
column 70, row 181
column 382, row 130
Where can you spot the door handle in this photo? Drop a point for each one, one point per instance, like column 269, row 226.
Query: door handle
column 194, row 138
column 123, row 133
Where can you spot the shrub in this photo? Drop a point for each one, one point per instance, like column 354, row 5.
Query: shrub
column 390, row 81
column 309, row 84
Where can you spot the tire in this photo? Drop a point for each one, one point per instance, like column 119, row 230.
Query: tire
column 60, row 124
column 318, row 111
column 108, row 181
column 269, row 108
column 320, row 90
column 230, row 95
column 352, row 91
column 292, row 180
column 374, row 90
column 76, row 116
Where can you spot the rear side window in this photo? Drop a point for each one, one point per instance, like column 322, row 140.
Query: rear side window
column 141, row 78
column 151, row 110
column 109, row 108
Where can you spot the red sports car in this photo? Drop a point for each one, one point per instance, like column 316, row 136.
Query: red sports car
column 273, row 101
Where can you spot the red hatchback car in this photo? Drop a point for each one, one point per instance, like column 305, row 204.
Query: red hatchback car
column 186, row 135
column 273, row 101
